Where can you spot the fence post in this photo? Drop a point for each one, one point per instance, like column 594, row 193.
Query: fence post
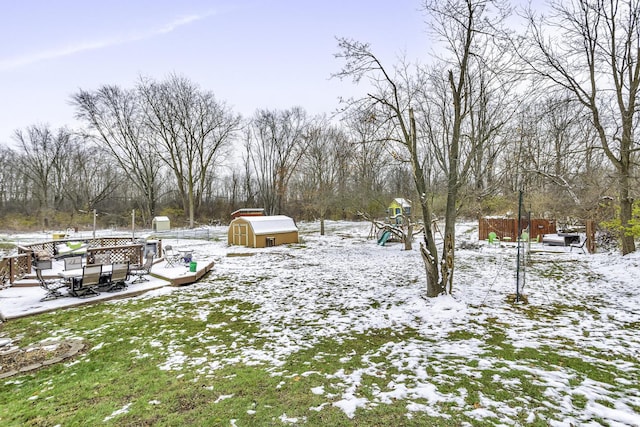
column 591, row 236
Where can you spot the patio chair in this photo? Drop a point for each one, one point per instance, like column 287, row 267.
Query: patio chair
column 142, row 271
column 578, row 246
column 72, row 263
column 90, row 280
column 172, row 257
column 119, row 276
column 51, row 286
column 493, row 239
column 102, row 258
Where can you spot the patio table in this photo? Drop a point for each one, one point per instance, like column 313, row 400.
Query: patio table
column 75, row 278
column 76, row 273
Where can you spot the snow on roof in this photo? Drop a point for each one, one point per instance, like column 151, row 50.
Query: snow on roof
column 161, row 218
column 271, row 224
column 247, row 210
column 403, row 202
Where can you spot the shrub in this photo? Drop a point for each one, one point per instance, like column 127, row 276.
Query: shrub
column 615, row 227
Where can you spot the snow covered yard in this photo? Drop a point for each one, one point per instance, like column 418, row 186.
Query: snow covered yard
column 340, row 323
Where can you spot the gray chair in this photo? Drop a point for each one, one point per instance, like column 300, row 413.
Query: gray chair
column 73, row 262
column 119, row 276
column 51, row 286
column 89, row 283
column 142, row 271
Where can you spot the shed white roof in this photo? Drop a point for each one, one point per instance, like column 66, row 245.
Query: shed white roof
column 271, row 224
column 403, row 202
column 161, row 218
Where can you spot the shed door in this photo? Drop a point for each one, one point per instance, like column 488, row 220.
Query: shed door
column 240, row 232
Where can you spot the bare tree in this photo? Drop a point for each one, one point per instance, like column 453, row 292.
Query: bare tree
column 466, row 28
column 89, row 178
column 392, row 104
column 471, row 33
column 248, row 177
column 326, row 158
column 42, row 150
column 45, row 160
column 371, row 159
column 116, row 122
column 15, row 183
column 194, row 130
column 276, row 143
column 7, row 176
column 591, row 48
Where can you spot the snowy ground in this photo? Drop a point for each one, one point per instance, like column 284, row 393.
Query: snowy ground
column 582, row 308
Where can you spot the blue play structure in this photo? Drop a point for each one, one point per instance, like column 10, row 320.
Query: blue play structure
column 383, row 239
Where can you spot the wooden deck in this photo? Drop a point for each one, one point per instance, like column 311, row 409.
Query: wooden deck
column 23, row 298
column 186, row 278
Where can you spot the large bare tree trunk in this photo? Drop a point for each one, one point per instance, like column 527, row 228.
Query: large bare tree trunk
column 408, row 234
column 626, row 214
column 428, row 248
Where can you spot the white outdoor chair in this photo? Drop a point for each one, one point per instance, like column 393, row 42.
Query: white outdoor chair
column 171, row 256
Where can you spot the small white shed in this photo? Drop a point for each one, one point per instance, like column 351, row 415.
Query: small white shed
column 161, row 223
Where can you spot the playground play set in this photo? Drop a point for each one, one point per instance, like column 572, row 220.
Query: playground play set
column 493, row 230
column 396, row 225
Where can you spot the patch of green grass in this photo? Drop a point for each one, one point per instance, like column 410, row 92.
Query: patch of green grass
column 634, row 326
column 579, row 400
column 461, row 334
column 7, row 246
column 606, row 403
column 128, row 376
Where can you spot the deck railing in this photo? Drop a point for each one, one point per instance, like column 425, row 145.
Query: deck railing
column 14, row 267
column 120, row 249
column 132, row 253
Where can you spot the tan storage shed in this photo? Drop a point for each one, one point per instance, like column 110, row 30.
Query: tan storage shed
column 262, row 231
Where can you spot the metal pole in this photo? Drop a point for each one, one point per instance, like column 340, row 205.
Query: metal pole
column 94, row 223
column 133, row 225
column 519, row 240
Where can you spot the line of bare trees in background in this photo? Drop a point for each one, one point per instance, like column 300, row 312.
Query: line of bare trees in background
column 550, row 111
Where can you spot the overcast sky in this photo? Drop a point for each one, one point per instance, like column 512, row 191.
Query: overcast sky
column 250, row 54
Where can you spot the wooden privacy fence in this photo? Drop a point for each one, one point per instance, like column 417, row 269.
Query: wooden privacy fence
column 508, row 227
